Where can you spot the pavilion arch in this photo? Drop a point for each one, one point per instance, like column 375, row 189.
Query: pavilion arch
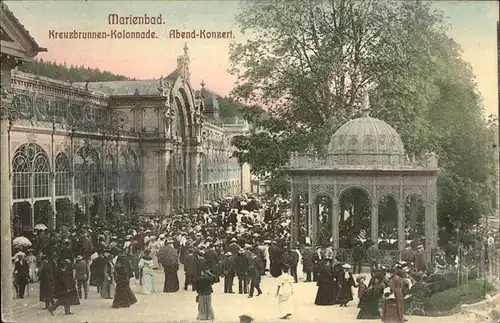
column 415, row 218
column 354, row 213
column 387, row 222
column 180, row 119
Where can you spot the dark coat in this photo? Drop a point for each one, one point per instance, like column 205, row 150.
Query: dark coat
column 65, row 287
column 241, row 264
column 46, row 277
column 97, row 271
column 21, row 272
column 358, row 254
column 325, row 283
column 344, row 288
column 307, row 259
column 316, row 261
column 234, row 248
column 227, row 266
column 191, row 266
column 294, row 258
column 212, row 260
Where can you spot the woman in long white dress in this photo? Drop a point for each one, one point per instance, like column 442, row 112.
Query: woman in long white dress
column 154, row 247
column 284, row 294
column 147, row 275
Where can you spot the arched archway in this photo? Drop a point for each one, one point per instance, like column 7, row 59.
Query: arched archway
column 355, row 214
column 188, row 108
column 180, row 119
column 88, row 178
column 387, row 223
column 415, row 220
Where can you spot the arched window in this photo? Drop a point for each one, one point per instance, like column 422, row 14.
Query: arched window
column 179, row 118
column 63, row 177
column 110, row 170
column 123, row 172
column 87, row 171
column 31, row 171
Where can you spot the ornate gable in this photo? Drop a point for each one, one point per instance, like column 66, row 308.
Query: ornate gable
column 15, row 39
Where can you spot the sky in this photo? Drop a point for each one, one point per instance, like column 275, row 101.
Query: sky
column 472, row 25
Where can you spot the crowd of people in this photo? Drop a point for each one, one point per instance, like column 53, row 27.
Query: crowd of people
column 239, row 239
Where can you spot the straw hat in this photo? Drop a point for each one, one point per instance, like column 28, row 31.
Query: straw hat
column 346, row 266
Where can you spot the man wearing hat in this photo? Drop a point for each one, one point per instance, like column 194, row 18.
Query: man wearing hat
column 234, row 248
column 241, row 267
column 191, row 270
column 227, row 267
column 82, row 275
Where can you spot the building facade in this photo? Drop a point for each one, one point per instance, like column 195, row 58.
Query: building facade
column 147, row 146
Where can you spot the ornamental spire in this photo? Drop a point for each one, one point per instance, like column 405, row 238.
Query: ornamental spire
column 365, row 104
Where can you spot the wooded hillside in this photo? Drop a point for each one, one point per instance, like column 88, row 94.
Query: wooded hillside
column 71, row 73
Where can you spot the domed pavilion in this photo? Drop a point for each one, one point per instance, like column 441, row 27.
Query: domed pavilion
column 365, row 154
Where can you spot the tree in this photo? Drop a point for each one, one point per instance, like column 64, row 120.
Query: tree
column 304, row 65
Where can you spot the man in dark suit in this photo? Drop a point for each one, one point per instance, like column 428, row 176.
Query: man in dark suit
column 255, row 277
column 191, row 270
column 307, row 262
column 241, row 267
column 21, row 274
column 294, row 261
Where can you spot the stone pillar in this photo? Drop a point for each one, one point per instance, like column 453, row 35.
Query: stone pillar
column 429, row 229
column 309, row 215
column 401, row 227
column 374, row 222
column 7, row 114
column 335, row 224
column 52, row 221
column 314, row 224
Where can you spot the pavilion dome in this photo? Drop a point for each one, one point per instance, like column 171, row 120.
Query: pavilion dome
column 366, row 136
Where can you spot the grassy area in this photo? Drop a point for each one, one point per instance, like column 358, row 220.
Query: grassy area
column 453, row 297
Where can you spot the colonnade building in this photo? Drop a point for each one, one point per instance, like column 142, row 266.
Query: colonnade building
column 147, row 146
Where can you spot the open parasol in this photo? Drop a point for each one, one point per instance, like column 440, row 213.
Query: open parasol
column 40, row 226
column 168, row 256
column 21, row 242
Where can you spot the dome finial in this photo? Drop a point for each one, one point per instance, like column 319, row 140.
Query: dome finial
column 365, row 105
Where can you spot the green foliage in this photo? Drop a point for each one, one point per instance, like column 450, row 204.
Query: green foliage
column 301, row 71
column 73, row 73
column 229, row 109
column 453, row 297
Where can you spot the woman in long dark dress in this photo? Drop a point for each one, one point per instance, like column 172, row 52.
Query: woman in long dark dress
column 369, row 304
column 345, row 283
column 124, row 297
column 325, row 283
column 169, row 259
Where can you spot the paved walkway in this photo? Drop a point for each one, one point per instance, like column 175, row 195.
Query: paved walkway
column 181, row 307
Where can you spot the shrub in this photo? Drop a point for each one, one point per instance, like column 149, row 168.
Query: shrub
column 453, row 297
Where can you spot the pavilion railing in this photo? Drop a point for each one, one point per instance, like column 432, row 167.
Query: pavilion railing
column 387, row 258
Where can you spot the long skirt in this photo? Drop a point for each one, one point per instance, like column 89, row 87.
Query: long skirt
column 391, row 313
column 171, row 283
column 325, row 295
column 124, row 297
column 285, row 305
column 205, row 309
column 369, row 309
column 147, row 281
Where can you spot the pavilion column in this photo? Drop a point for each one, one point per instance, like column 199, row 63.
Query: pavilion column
column 335, row 224
column 374, row 222
column 52, row 220
column 429, row 230
column 401, row 227
column 293, row 225
column 314, row 224
column 310, row 212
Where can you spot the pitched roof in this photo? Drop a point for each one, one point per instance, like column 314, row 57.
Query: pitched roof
column 6, row 11
column 144, row 87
